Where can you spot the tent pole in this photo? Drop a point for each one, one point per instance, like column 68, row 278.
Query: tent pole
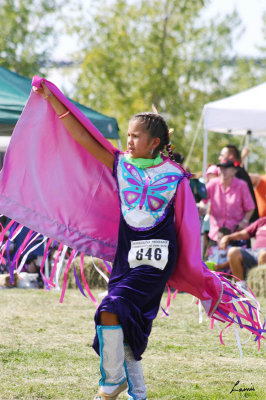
column 119, row 144
column 186, row 163
column 247, row 139
column 205, row 153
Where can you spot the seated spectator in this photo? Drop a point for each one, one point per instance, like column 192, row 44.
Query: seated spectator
column 218, row 255
column 32, row 264
column 241, row 260
column 231, row 202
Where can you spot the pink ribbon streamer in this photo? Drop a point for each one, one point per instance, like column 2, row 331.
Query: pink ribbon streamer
column 22, row 247
column 43, row 260
column 168, row 302
column 84, row 280
column 72, row 255
column 105, row 269
column 2, row 235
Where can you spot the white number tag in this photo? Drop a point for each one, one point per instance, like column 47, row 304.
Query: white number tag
column 150, row 252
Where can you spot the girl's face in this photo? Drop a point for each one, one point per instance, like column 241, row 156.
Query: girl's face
column 139, row 142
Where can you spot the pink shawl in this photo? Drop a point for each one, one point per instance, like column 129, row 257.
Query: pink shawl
column 50, row 184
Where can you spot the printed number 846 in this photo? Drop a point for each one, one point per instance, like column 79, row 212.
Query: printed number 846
column 156, row 254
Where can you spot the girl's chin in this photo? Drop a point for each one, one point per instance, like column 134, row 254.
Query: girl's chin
column 131, row 153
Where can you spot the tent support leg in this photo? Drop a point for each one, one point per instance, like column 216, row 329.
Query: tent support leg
column 119, row 144
column 247, row 139
column 205, row 153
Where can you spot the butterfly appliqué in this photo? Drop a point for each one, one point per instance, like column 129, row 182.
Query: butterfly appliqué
column 145, row 192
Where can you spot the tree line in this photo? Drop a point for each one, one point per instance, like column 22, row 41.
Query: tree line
column 135, row 53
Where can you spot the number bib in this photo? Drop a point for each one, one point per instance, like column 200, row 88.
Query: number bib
column 149, row 252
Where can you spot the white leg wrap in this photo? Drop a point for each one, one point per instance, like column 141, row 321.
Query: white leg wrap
column 136, row 385
column 112, row 355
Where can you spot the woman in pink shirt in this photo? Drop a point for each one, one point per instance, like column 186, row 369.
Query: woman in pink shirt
column 231, row 201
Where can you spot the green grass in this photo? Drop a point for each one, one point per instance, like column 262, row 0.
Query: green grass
column 45, row 352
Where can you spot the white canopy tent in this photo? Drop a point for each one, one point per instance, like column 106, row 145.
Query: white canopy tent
column 4, row 142
column 241, row 114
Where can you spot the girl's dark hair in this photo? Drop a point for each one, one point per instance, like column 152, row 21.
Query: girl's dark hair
column 179, row 158
column 157, row 127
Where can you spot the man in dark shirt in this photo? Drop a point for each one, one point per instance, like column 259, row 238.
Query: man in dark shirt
column 230, row 152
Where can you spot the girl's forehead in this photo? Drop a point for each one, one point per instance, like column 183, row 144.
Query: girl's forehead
column 136, row 125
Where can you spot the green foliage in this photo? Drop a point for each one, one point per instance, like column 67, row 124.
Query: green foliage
column 26, row 28
column 141, row 53
column 138, row 53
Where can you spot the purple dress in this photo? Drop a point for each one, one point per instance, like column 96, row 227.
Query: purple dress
column 147, row 248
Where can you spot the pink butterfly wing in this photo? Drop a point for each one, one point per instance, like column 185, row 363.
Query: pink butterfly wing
column 130, row 196
column 155, row 203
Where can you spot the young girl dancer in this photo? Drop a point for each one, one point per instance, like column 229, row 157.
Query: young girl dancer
column 147, row 246
column 159, row 234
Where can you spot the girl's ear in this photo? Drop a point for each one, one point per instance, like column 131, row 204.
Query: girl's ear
column 156, row 142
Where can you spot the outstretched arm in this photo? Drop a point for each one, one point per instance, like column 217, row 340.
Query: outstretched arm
column 255, row 179
column 76, row 129
column 244, row 154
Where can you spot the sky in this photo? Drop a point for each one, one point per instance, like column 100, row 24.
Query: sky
column 250, row 12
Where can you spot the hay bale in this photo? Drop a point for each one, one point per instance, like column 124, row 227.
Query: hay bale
column 5, row 281
column 93, row 278
column 256, row 280
column 28, row 280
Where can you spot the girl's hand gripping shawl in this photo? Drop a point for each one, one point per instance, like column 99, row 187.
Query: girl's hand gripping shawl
column 221, row 299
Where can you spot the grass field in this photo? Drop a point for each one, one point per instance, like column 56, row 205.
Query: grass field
column 45, row 352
